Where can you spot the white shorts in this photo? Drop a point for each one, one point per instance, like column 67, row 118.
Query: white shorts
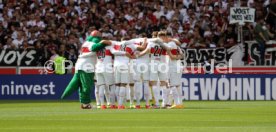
column 158, row 76
column 105, row 78
column 121, row 75
column 174, row 78
column 141, row 72
column 158, row 73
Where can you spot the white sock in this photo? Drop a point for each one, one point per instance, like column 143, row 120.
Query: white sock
column 179, row 89
column 107, row 94
column 97, row 95
column 112, row 94
column 165, row 93
column 170, row 98
column 122, row 95
column 175, row 95
column 117, row 91
column 137, row 91
column 101, row 94
column 131, row 94
column 146, row 92
column 156, row 93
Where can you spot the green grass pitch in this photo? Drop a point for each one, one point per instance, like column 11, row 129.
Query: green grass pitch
column 205, row 116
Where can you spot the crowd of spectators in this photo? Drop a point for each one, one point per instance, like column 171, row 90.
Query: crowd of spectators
column 61, row 26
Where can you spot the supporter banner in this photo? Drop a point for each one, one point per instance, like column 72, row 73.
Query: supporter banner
column 220, row 55
column 18, row 57
column 254, row 53
column 235, row 53
column 242, row 14
column 33, row 87
column 229, row 87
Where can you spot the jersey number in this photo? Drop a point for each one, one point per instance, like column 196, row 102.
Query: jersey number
column 157, row 51
column 101, row 54
column 123, row 48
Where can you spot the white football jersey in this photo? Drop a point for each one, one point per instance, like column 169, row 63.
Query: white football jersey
column 142, row 59
column 157, row 53
column 124, row 46
column 105, row 58
column 87, row 58
column 173, row 63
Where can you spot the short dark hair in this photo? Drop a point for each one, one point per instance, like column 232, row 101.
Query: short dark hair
column 125, row 38
column 169, row 34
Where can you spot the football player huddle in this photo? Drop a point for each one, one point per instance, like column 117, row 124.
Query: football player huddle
column 139, row 66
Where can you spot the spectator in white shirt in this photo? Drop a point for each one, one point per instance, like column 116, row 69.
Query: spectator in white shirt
column 39, row 22
column 19, row 40
column 31, row 21
column 158, row 13
column 187, row 3
column 170, row 12
column 9, row 44
column 32, row 39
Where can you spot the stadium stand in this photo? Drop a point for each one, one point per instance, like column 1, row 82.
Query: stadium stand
column 60, row 26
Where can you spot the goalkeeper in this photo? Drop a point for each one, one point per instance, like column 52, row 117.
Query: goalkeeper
column 83, row 79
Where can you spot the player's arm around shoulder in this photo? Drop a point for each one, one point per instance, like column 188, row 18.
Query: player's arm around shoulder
column 144, row 52
column 99, row 46
column 117, row 52
column 162, row 44
column 143, row 46
column 178, row 54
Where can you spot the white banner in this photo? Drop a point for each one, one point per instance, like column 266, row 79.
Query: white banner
column 241, row 14
column 236, row 55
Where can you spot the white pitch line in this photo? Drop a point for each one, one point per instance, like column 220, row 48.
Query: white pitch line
column 134, row 120
column 140, row 127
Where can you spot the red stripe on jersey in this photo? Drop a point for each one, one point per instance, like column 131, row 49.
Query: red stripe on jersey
column 117, row 47
column 152, row 50
column 164, row 52
column 85, row 49
column 174, row 51
column 129, row 50
column 107, row 52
